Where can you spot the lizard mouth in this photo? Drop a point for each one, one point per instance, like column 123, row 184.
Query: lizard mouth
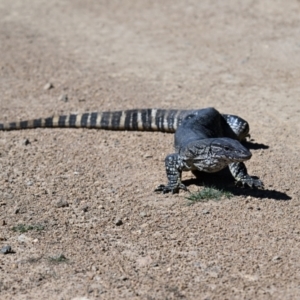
column 245, row 155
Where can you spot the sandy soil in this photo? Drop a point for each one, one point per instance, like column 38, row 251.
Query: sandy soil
column 72, row 186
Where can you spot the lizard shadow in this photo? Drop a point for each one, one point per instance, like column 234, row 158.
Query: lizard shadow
column 254, row 146
column 223, row 180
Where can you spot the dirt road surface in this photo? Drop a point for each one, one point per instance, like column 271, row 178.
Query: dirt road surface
column 65, row 192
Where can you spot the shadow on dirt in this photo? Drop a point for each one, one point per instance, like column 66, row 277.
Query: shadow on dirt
column 255, row 146
column 223, row 180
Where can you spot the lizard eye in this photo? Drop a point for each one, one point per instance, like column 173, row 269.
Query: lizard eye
column 226, row 148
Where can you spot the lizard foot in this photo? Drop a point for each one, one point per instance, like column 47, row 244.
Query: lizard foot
column 250, row 182
column 168, row 188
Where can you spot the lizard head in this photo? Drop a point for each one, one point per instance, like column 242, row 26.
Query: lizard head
column 229, row 149
column 214, row 154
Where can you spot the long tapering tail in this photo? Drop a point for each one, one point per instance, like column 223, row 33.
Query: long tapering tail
column 137, row 119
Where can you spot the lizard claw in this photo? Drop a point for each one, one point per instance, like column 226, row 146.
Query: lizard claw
column 250, row 182
column 168, row 188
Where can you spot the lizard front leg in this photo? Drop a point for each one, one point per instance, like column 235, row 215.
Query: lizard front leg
column 173, row 163
column 239, row 172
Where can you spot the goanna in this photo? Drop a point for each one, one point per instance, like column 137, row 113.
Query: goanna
column 205, row 140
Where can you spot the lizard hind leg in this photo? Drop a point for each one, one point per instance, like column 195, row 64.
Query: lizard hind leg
column 173, row 164
column 238, row 125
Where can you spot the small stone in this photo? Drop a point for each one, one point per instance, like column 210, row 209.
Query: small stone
column 6, row 249
column 94, row 268
column 25, row 142
column 276, row 258
column 148, row 156
column 143, row 214
column 205, row 211
column 62, row 203
column 118, row 222
column 63, row 98
column 85, row 208
column 90, row 275
column 48, row 86
column 2, row 203
column 29, row 183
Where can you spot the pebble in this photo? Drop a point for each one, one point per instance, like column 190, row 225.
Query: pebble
column 143, row 214
column 94, row 268
column 276, row 258
column 63, row 98
column 205, row 211
column 118, row 222
column 6, row 249
column 48, row 86
column 25, row 142
column 62, row 203
column 85, row 208
column 90, row 275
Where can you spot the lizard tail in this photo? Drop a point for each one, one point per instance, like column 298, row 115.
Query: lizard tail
column 136, row 120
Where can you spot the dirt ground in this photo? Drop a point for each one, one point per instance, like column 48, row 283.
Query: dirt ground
column 65, row 192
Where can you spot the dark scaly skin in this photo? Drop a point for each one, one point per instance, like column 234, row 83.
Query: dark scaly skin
column 197, row 140
column 206, row 142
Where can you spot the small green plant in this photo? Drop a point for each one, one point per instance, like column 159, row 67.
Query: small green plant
column 208, row 193
column 24, row 228
column 58, row 259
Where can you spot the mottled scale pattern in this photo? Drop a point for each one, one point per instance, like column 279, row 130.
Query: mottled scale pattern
column 205, row 140
column 136, row 119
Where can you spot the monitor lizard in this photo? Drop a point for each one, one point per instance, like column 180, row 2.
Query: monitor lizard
column 205, row 140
